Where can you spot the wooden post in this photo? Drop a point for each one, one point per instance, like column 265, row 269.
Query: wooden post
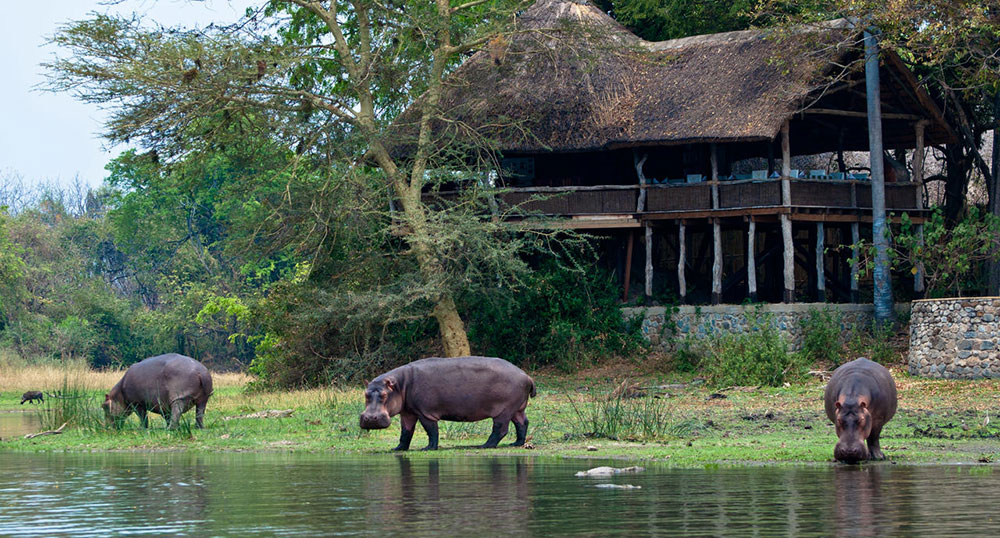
column 820, row 266
column 855, row 239
column 883, row 287
column 788, row 248
column 681, row 261
column 752, row 261
column 715, row 176
column 786, row 166
column 649, row 262
column 628, row 264
column 641, row 204
column 716, row 261
column 918, row 180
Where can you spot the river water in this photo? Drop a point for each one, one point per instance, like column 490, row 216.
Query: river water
column 247, row 494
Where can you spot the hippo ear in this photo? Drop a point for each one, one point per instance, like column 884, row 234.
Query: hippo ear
column 107, row 396
column 864, row 404
column 390, row 384
column 837, row 406
column 366, row 382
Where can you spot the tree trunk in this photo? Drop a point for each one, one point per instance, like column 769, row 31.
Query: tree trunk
column 955, row 182
column 994, row 184
column 453, row 337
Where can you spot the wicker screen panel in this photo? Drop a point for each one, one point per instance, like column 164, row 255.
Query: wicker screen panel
column 679, row 198
column 901, row 196
column 821, row 193
column 864, row 191
column 750, row 194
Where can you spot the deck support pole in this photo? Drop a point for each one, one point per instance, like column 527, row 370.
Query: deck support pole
column 855, row 239
column 752, row 261
column 820, row 266
column 628, row 264
column 681, row 261
column 918, row 180
column 883, row 286
column 649, row 262
column 788, row 295
column 714, row 158
column 716, row 261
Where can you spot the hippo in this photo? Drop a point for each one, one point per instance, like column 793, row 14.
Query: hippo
column 31, row 396
column 168, row 385
column 859, row 399
column 460, row 389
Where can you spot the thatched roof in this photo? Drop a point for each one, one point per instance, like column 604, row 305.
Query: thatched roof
column 573, row 79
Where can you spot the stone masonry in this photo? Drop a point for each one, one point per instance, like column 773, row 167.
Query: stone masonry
column 955, row 338
column 705, row 321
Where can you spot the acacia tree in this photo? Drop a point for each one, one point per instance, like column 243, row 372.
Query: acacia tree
column 325, row 78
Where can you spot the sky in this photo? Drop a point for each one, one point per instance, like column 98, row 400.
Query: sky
column 52, row 138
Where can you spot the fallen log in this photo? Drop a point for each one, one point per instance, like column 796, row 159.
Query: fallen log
column 48, row 432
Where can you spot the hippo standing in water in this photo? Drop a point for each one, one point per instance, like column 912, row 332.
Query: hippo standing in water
column 859, row 399
column 168, row 385
column 461, row 389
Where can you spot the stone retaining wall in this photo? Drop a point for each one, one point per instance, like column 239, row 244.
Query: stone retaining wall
column 703, row 321
column 955, row 338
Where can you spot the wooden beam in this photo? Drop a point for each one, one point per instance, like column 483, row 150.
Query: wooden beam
column 856, row 114
column 716, row 262
column 713, row 157
column 751, row 262
column 681, row 261
column 918, row 180
column 786, row 166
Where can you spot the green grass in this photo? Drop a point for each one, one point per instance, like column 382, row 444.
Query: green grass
column 938, row 421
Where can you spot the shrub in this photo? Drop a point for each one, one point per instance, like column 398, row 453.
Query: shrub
column 561, row 317
column 757, row 356
column 821, row 336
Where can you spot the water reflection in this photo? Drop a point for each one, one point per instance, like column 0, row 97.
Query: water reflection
column 286, row 494
column 18, row 423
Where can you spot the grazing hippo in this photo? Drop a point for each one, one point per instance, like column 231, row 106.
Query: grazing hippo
column 168, row 385
column 31, row 396
column 461, row 389
column 860, row 398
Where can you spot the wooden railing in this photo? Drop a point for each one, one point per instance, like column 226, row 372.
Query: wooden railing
column 742, row 194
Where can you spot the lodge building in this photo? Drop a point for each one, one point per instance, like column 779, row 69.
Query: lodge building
column 646, row 144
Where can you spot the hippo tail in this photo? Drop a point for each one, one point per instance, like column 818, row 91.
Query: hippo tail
column 206, row 383
column 532, row 392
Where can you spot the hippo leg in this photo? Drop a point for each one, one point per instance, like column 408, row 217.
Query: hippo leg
column 874, row 449
column 500, row 426
column 407, row 423
column 143, row 419
column 520, row 428
column 431, row 427
column 199, row 414
column 177, row 408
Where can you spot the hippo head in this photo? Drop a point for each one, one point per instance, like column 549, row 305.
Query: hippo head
column 382, row 400
column 854, row 425
column 114, row 407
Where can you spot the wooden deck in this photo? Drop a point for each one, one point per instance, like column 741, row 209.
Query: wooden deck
column 615, row 206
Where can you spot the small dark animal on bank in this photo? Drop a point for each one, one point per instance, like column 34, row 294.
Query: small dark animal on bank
column 460, row 389
column 859, row 399
column 168, row 385
column 31, row 396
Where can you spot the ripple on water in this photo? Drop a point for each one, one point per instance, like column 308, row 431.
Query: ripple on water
column 290, row 495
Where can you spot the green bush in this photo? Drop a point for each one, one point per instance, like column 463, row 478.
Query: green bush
column 757, row 356
column 821, row 336
column 561, row 317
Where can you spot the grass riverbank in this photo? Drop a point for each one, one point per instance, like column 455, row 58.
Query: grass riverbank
column 600, row 413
